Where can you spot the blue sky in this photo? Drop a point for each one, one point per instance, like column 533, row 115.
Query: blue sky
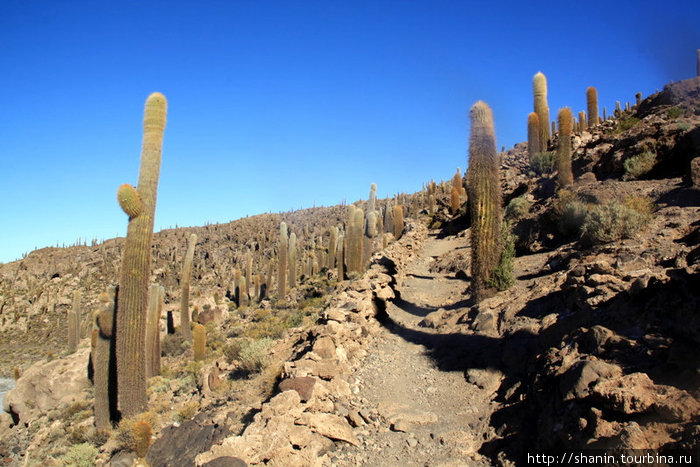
column 279, row 105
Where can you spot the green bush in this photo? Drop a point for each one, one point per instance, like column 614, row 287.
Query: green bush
column 612, row 221
column 252, row 354
column 503, row 276
column 639, row 165
column 626, row 124
column 80, row 455
column 543, row 162
column 173, row 345
column 674, row 112
column 518, row 207
column 573, row 217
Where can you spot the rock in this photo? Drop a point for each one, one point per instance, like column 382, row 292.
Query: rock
column 324, row 347
column 629, row 394
column 48, row 385
column 178, row 446
column 488, row 379
column 284, row 403
column 5, row 423
column 122, row 459
column 331, row 426
column 593, row 340
column 586, row 178
column 695, row 172
column 462, row 443
column 355, row 419
column 485, row 323
column 432, row 320
column 578, row 380
column 404, row 418
column 226, row 461
column 336, row 314
column 215, row 315
column 303, row 385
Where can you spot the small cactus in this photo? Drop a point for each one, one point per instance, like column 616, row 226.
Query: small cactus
column 592, row 105
column 566, row 176
column 199, row 341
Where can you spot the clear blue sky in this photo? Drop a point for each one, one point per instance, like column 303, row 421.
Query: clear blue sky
column 279, row 105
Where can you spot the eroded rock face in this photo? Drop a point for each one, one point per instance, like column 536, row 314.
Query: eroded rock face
column 48, row 385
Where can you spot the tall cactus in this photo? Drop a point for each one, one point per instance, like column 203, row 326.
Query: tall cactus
column 533, row 134
column 372, row 203
column 539, row 88
column 185, row 289
column 398, row 221
column 74, row 323
column 483, row 183
column 199, row 343
column 156, row 294
column 332, row 245
column 592, row 105
column 340, row 256
column 582, row 121
column 103, row 362
column 130, row 332
column 566, row 176
column 282, row 262
column 292, row 260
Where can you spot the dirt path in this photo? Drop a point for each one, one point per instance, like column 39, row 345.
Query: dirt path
column 416, row 413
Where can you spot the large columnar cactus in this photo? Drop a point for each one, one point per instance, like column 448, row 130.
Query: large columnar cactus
column 592, row 105
column 248, row 271
column 103, row 362
column 282, row 262
column 74, row 323
column 292, row 260
column 398, row 221
column 340, row 256
column 185, row 289
column 566, row 176
column 533, row 134
column 539, row 87
column 368, row 240
column 356, row 249
column 372, row 203
column 156, row 295
column 484, row 188
column 388, row 217
column 130, row 333
column 582, row 121
column 332, row 245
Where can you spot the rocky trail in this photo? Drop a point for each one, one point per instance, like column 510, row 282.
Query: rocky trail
column 416, row 412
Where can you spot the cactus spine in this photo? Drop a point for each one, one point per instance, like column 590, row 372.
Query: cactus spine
column 185, row 289
column 484, row 188
column 592, row 105
column 566, row 176
column 156, row 294
column 74, row 323
column 539, row 87
column 199, row 344
column 533, row 134
column 282, row 262
column 136, row 267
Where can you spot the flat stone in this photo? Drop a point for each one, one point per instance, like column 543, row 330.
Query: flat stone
column 331, row 426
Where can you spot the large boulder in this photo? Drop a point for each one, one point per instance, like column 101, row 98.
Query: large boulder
column 47, row 385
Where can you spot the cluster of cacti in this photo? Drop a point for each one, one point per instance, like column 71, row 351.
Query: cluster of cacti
column 565, row 176
column 74, row 323
column 185, row 289
column 139, row 204
column 484, row 188
column 541, row 108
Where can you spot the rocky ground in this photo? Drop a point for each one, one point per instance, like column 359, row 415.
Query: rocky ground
column 595, row 344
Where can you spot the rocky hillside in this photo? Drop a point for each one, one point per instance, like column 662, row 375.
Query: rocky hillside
column 594, row 343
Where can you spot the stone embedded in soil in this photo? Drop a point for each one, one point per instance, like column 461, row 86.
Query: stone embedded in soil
column 331, row 426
